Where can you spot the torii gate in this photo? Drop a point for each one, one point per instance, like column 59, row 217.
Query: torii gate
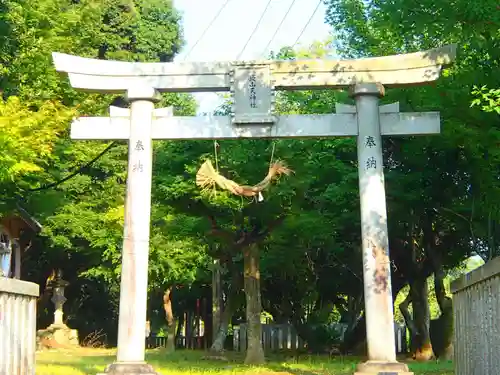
column 252, row 85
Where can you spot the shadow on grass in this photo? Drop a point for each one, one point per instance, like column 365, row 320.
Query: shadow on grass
column 187, row 361
column 184, row 362
column 72, row 362
column 190, row 362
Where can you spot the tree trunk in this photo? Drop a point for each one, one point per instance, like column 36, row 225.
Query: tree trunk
column 216, row 300
column 421, row 318
column 169, row 316
column 228, row 307
column 221, row 334
column 352, row 315
column 255, row 352
column 404, row 308
column 179, row 329
column 419, row 323
column 355, row 339
column 441, row 329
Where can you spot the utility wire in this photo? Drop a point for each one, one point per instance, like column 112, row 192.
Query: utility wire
column 254, row 30
column 78, row 171
column 206, row 29
column 70, row 176
column 307, row 24
column 278, row 28
column 217, row 15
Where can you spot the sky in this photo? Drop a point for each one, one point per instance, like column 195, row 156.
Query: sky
column 227, row 36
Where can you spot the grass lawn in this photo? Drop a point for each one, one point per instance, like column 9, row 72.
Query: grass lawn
column 91, row 361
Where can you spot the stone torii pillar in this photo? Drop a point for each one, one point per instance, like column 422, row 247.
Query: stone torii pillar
column 252, row 85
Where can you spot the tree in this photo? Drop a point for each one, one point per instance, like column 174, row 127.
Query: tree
column 28, row 138
column 240, row 226
column 112, row 29
column 488, row 99
column 446, row 224
column 76, row 189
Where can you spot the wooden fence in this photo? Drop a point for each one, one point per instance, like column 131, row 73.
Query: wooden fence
column 191, row 335
column 401, row 339
column 476, row 309
column 17, row 326
column 275, row 337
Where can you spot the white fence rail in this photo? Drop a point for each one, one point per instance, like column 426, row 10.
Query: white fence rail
column 274, row 337
column 476, row 308
column 17, row 326
column 277, row 337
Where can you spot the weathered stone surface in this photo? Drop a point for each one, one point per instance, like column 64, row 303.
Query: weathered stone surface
column 382, row 368
column 56, row 336
column 118, row 76
column 14, row 286
column 286, row 126
column 121, row 368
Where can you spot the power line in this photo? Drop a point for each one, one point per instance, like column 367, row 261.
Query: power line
column 70, row 176
column 254, row 30
column 279, row 27
column 78, row 171
column 307, row 24
column 217, row 15
column 207, row 28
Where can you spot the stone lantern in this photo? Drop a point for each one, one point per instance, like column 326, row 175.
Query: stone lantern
column 58, row 285
column 58, row 334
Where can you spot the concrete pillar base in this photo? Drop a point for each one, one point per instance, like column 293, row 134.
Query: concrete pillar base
column 382, row 368
column 124, row 368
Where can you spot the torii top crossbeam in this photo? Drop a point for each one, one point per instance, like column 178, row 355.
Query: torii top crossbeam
column 390, row 71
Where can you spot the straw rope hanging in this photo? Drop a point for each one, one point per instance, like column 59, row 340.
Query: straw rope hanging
column 207, row 178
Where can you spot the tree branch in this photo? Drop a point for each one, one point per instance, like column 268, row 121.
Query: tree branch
column 403, row 307
column 256, row 236
column 436, row 261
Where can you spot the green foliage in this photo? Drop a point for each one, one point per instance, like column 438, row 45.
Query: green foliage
column 27, row 139
column 310, row 262
column 111, row 29
column 441, row 187
column 462, row 159
column 487, row 99
column 80, row 204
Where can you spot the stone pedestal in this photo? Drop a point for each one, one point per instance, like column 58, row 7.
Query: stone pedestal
column 382, row 368
column 124, row 368
column 57, row 334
